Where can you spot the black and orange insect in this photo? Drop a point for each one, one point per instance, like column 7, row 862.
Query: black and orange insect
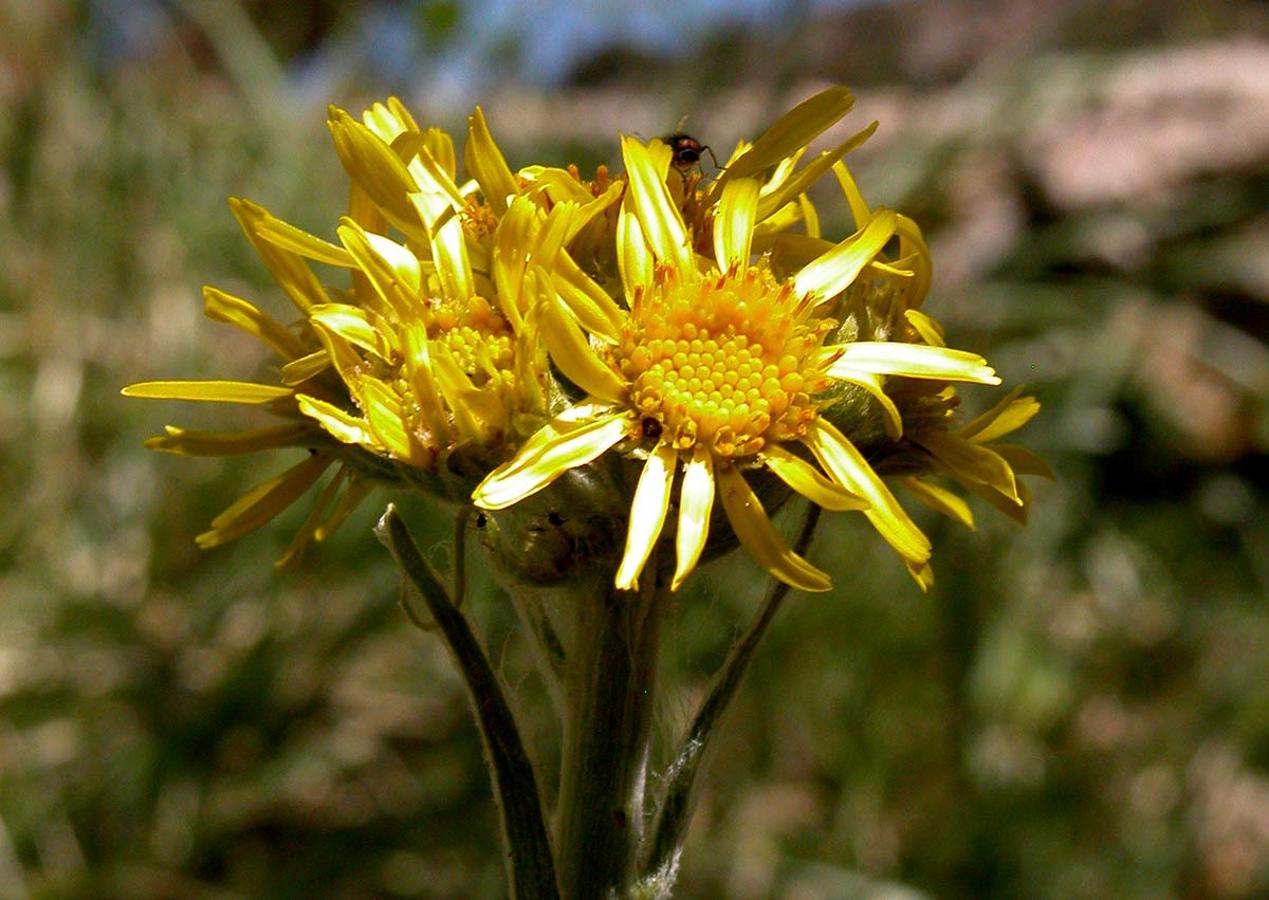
column 686, row 151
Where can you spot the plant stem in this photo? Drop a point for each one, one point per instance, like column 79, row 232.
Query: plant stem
column 660, row 855
column 530, row 866
column 609, row 695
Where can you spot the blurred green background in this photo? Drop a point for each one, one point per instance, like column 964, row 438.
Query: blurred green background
column 1078, row 709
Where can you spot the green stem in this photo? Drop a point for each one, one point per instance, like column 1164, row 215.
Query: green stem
column 530, row 866
column 661, row 853
column 530, row 604
column 460, row 555
column 609, row 694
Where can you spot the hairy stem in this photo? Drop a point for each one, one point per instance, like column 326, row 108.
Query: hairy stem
column 609, row 694
column 530, row 865
column 661, row 852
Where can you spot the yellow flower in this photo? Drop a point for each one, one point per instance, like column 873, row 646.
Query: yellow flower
column 970, row 455
column 917, row 415
column 430, row 348
column 719, row 366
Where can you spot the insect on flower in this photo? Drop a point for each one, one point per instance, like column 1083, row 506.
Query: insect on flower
column 686, row 151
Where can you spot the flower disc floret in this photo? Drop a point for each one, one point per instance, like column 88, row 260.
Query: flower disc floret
column 479, row 338
column 725, row 363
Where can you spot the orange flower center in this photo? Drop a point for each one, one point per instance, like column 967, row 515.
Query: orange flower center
column 729, row 362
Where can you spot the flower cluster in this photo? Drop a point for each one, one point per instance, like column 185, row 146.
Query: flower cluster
column 494, row 333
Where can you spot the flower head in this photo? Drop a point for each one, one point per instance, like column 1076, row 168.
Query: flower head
column 425, row 353
column 717, row 338
column 723, row 365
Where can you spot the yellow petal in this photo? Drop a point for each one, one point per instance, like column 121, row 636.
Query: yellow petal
column 809, row 215
column 760, row 538
column 401, row 113
column 741, row 148
column 362, row 210
column 306, row 533
column 556, row 184
column 343, row 356
column 569, row 420
column 380, row 273
column 406, row 122
column 381, row 406
column 228, row 443
column 380, row 120
column 590, row 303
column 922, row 574
column 779, row 223
column 225, row 307
column 811, row 173
column 969, row 461
column 791, row 132
column 449, row 249
column 475, row 411
column 897, row 269
column 441, row 148
column 634, row 258
column 208, row 391
column 847, row 466
column 345, row 428
column 347, row 504
column 696, row 502
column 298, row 371
column 528, row 393
column 1004, row 418
column 351, row 323
column 789, row 252
column 1023, row 461
column 912, row 361
column 647, row 514
column 833, row 272
column 782, row 172
column 930, row 330
column 854, row 199
column 418, row 361
column 1014, row 509
column 550, row 237
column 287, row 237
column 431, row 175
column 289, row 269
column 733, row 224
column 512, row 482
column 911, row 243
column 594, row 207
column 264, row 501
column 377, row 169
column 400, row 262
column 571, row 351
column 939, row 499
column 512, row 242
column 804, row 478
column 658, row 215
column 971, row 429
column 487, row 165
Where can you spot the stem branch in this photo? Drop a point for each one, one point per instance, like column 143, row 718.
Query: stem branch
column 661, row 853
column 530, row 865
